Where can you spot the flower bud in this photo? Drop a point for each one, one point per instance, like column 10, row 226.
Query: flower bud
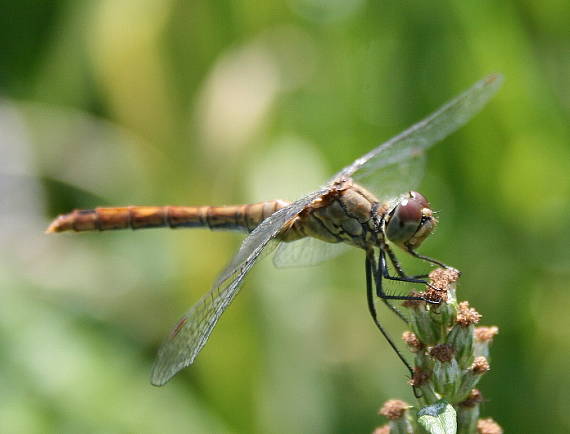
column 468, row 413
column 397, row 412
column 488, row 426
column 461, row 335
column 384, row 429
column 483, row 338
column 472, row 376
column 461, row 340
column 420, row 381
column 444, row 279
column 427, row 331
column 446, row 371
column 417, row 347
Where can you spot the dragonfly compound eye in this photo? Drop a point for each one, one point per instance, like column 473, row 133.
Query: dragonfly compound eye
column 411, row 221
column 419, row 198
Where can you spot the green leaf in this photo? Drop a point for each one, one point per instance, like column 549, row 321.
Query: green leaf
column 438, row 418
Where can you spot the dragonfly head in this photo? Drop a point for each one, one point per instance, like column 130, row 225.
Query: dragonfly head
column 410, row 221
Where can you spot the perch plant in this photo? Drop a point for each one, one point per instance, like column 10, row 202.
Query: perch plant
column 451, row 355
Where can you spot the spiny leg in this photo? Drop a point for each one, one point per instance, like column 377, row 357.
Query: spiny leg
column 372, row 270
column 401, row 278
column 411, row 279
column 373, row 313
column 385, row 300
column 396, row 263
column 427, row 258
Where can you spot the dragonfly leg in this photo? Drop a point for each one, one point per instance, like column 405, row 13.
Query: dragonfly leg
column 383, row 272
column 427, row 258
column 402, row 277
column 412, row 279
column 372, row 309
column 374, row 270
column 396, row 263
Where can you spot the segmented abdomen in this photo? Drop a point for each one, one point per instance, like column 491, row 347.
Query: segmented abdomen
column 235, row 217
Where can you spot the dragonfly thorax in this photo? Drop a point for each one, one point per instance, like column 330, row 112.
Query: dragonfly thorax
column 345, row 214
column 410, row 221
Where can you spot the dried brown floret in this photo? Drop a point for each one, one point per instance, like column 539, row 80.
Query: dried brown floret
column 412, row 341
column 475, row 397
column 488, row 426
column 438, row 295
column 486, row 334
column 443, row 277
column 466, row 315
column 394, row 409
column 420, row 377
column 384, row 429
column 480, row 365
column 442, row 352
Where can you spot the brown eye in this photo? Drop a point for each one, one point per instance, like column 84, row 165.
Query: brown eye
column 409, row 211
column 420, row 198
column 406, row 218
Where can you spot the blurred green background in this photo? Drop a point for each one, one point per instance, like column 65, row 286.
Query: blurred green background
column 118, row 102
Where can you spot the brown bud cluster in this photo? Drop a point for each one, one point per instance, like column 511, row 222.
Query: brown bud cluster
column 412, row 341
column 466, row 315
column 394, row 409
column 438, row 295
column 420, row 377
column 488, row 426
column 480, row 365
column 384, row 429
column 443, row 277
column 474, row 398
column 486, row 334
column 443, row 352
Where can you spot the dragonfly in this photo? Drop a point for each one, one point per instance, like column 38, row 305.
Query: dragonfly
column 370, row 204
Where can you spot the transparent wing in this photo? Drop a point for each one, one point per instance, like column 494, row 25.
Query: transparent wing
column 192, row 331
column 394, row 179
column 396, row 165
column 306, row 251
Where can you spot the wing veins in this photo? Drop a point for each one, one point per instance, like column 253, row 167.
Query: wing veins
column 193, row 330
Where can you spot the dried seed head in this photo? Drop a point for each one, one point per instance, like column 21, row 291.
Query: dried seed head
column 486, row 334
column 474, row 398
column 384, row 429
column 466, row 315
column 443, row 277
column 480, row 365
column 488, row 426
column 394, row 409
column 412, row 341
column 442, row 352
column 420, row 377
column 435, row 295
column 483, row 337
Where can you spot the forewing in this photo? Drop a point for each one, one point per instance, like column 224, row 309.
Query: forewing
column 394, row 179
column 305, row 252
column 192, row 331
column 382, row 169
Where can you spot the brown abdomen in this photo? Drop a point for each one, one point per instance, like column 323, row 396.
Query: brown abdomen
column 235, row 217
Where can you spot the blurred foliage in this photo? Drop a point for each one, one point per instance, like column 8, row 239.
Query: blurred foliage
column 115, row 102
